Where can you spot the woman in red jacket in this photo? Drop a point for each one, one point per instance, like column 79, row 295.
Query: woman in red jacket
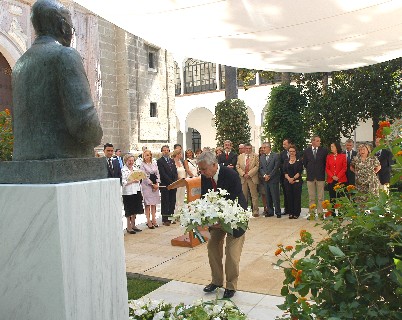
column 336, row 166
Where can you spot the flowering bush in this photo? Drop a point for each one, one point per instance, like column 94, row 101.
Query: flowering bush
column 356, row 271
column 6, row 136
column 146, row 309
column 212, row 209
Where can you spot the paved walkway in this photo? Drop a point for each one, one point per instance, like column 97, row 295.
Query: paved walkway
column 150, row 253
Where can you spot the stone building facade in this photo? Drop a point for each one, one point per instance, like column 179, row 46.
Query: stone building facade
column 132, row 81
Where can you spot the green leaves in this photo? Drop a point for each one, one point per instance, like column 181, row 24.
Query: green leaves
column 336, row 251
column 232, row 122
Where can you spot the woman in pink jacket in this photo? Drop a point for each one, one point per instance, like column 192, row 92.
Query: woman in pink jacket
column 336, row 169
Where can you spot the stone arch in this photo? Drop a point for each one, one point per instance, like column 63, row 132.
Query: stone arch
column 201, row 120
column 9, row 50
column 5, row 84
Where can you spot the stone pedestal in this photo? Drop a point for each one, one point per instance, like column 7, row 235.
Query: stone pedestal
column 62, row 252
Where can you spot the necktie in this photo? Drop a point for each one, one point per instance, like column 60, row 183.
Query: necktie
column 315, row 152
column 348, row 152
column 213, row 184
column 246, row 169
column 227, row 155
column 109, row 162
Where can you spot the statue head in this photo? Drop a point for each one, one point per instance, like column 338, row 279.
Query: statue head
column 51, row 18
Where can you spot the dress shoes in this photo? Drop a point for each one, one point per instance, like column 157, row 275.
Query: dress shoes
column 166, row 223
column 131, row 231
column 211, row 287
column 279, row 216
column 269, row 215
column 228, row 294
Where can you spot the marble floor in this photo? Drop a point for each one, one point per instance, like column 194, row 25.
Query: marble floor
column 150, row 253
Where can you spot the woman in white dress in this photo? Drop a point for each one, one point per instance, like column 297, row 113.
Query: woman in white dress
column 181, row 173
column 190, row 165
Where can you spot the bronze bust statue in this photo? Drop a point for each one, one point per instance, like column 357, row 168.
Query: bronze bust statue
column 54, row 115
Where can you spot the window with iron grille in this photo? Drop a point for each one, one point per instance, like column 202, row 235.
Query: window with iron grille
column 196, row 139
column 177, row 79
column 153, row 112
column 199, row 76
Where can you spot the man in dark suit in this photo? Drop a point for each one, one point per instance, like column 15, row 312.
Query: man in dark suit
column 113, row 166
column 283, row 156
column 269, row 169
column 350, row 154
column 215, row 176
column 168, row 175
column 228, row 158
column 314, row 160
column 385, row 158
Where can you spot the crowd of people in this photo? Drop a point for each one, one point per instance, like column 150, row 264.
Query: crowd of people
column 261, row 174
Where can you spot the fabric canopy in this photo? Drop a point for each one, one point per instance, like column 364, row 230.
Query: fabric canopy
column 277, row 35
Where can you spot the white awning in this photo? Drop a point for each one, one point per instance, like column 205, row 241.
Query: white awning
column 277, row 35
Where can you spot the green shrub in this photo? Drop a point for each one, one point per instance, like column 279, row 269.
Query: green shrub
column 6, row 136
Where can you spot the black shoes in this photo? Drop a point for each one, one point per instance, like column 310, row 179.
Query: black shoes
column 279, row 216
column 269, row 215
column 211, row 287
column 131, row 231
column 137, row 230
column 228, row 294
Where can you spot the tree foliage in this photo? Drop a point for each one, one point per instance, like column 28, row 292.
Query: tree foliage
column 283, row 118
column 6, row 136
column 232, row 122
column 335, row 108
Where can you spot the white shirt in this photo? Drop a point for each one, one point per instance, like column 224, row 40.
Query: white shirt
column 131, row 188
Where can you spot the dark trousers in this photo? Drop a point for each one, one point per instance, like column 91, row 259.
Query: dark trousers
column 273, row 199
column 285, row 196
column 168, row 202
column 293, row 197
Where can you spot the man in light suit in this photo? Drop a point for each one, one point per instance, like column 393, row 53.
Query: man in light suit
column 215, row 176
column 228, row 158
column 350, row 154
column 314, row 160
column 269, row 169
column 247, row 167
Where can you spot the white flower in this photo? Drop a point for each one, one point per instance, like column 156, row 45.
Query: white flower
column 159, row 316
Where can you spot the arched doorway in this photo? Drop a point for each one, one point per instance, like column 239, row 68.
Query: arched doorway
column 5, row 84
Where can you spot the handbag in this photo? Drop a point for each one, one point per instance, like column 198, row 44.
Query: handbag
column 153, row 178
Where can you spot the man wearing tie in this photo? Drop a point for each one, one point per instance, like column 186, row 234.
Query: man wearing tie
column 314, row 160
column 113, row 166
column 228, row 158
column 385, row 158
column 168, row 175
column 117, row 155
column 350, row 154
column 269, row 169
column 247, row 168
column 215, row 176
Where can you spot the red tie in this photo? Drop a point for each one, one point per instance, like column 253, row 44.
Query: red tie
column 227, row 155
column 213, row 184
column 247, row 168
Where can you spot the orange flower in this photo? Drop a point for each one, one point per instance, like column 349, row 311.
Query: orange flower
column 338, row 186
column 399, row 153
column 313, row 206
column 294, row 273
column 280, row 245
column 295, row 263
column 325, row 204
column 7, row 112
column 337, row 205
column 302, row 233
column 288, row 248
column 328, row 214
column 298, row 277
column 350, row 187
column 278, row 252
column 384, row 124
